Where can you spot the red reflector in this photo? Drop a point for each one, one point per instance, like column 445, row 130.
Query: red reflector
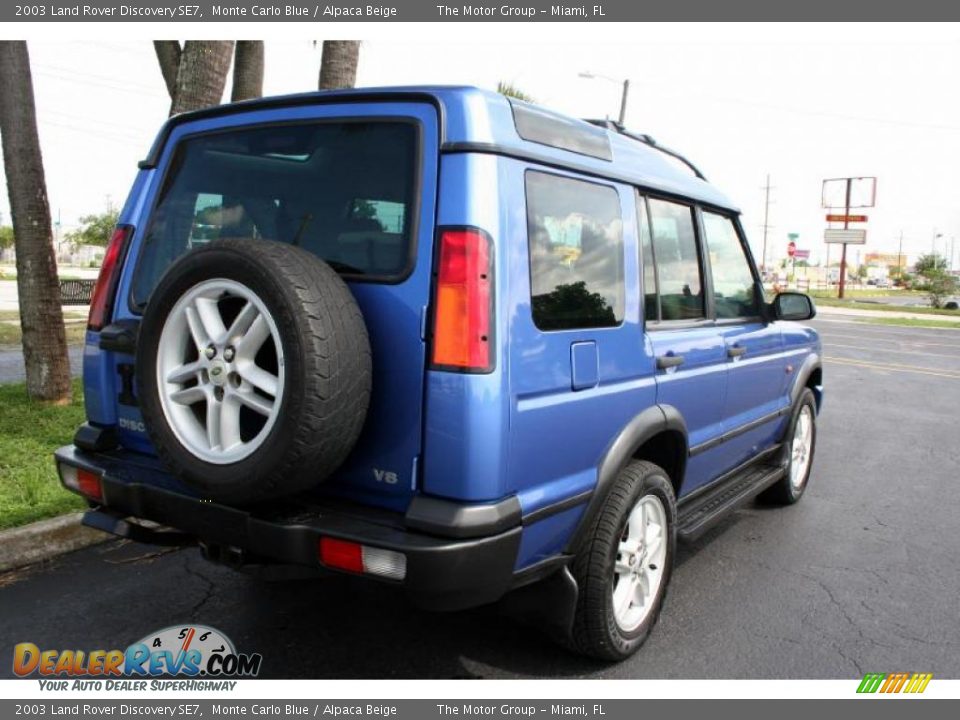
column 89, row 484
column 462, row 327
column 101, row 304
column 341, row 554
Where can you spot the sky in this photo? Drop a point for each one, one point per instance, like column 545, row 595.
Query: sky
column 799, row 103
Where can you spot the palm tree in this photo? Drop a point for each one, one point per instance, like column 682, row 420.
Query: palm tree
column 338, row 65
column 247, row 70
column 195, row 74
column 202, row 74
column 41, row 317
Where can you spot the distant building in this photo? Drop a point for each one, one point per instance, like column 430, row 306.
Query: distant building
column 890, row 261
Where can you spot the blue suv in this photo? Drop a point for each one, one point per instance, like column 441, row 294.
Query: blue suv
column 442, row 339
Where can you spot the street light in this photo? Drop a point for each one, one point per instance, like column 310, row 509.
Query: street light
column 623, row 98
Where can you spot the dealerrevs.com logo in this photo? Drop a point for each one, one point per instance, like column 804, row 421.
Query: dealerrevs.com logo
column 191, row 651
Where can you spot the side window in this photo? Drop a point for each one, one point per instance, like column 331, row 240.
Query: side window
column 678, row 264
column 734, row 289
column 651, row 308
column 576, row 253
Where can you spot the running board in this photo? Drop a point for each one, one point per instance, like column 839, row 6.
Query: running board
column 702, row 511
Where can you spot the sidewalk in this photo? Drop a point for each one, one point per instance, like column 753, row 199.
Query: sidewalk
column 856, row 312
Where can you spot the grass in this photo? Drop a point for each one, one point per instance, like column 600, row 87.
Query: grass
column 853, row 304
column 29, row 433
column 865, row 293
column 913, row 322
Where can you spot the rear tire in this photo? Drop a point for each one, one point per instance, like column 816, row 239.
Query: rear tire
column 253, row 370
column 800, row 442
column 612, row 619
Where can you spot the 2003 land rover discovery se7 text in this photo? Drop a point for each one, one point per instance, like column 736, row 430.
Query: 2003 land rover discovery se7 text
column 442, row 339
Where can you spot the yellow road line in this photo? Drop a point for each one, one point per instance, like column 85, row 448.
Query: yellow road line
column 894, row 367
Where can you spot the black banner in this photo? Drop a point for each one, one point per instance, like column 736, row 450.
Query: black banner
column 434, row 11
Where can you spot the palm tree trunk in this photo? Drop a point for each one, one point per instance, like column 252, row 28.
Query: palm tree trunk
column 41, row 317
column 338, row 66
column 202, row 74
column 247, row 70
column 168, row 55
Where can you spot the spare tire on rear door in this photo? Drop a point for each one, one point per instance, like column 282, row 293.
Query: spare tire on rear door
column 253, row 370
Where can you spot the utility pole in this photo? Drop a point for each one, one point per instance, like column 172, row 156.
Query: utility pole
column 843, row 256
column 623, row 102
column 766, row 221
column 900, row 259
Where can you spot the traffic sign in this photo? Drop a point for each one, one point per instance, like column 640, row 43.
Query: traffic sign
column 846, row 218
column 791, row 248
column 801, row 255
column 853, row 236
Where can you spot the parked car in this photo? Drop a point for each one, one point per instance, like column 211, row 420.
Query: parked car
column 441, row 339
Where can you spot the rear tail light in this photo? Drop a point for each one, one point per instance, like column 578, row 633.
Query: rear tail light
column 463, row 305
column 89, row 484
column 356, row 558
column 105, row 291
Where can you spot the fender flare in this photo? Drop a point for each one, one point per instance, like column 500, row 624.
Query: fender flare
column 651, row 422
column 810, row 363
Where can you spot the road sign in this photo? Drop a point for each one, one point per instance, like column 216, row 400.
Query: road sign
column 791, row 249
column 801, row 255
column 853, row 236
column 849, row 192
column 846, row 218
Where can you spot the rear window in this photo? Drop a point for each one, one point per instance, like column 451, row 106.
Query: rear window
column 345, row 191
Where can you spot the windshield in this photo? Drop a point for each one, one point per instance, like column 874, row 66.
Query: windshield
column 342, row 190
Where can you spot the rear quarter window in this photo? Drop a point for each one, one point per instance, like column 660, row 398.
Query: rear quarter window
column 575, row 235
column 345, row 191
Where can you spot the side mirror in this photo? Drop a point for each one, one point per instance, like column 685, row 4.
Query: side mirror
column 793, row 306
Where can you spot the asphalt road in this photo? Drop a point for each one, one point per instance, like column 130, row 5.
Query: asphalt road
column 862, row 576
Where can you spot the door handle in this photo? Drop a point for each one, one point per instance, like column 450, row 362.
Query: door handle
column 669, row 361
column 736, row 351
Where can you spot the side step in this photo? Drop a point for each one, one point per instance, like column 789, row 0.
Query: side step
column 701, row 511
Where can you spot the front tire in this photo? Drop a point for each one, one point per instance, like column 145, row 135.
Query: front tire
column 799, row 445
column 625, row 564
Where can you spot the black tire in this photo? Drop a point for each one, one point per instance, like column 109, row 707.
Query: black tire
column 595, row 630
column 783, row 491
column 327, row 365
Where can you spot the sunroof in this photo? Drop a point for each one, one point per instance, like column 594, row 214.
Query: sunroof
column 547, row 128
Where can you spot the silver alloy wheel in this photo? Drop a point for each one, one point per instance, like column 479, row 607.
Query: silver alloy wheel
column 207, row 372
column 801, row 447
column 641, row 555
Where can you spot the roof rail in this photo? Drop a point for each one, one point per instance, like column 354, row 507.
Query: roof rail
column 646, row 140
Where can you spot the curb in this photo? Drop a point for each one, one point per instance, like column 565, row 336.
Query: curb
column 44, row 540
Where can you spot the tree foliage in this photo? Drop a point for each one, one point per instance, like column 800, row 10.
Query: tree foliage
column 94, row 229
column 935, row 280
column 930, row 262
column 512, row 91
column 939, row 285
column 6, row 237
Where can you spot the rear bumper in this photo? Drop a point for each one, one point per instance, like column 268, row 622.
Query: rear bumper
column 443, row 573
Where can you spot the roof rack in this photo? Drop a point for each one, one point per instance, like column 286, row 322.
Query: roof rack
column 646, row 140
